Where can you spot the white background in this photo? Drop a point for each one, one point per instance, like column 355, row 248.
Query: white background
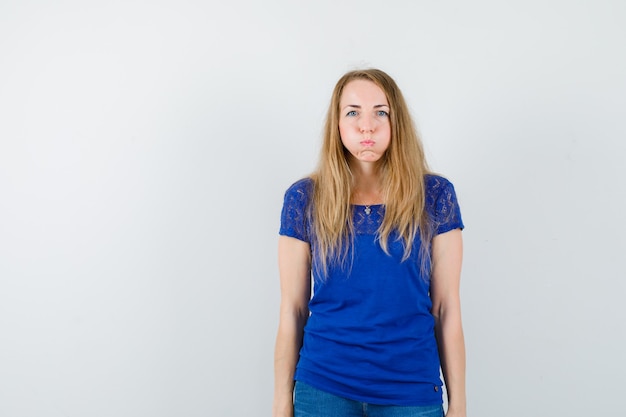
column 145, row 147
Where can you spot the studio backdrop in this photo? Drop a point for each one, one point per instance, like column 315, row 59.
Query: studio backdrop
column 145, row 147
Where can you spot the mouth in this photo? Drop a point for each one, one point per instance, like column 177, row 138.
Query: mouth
column 367, row 142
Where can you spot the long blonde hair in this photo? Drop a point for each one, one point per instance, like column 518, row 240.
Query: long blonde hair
column 402, row 169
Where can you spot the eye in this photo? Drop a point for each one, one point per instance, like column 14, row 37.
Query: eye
column 382, row 113
column 351, row 113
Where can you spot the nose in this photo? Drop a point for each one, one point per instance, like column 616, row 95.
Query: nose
column 366, row 124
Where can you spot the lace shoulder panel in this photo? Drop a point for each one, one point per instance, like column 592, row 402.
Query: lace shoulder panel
column 442, row 205
column 294, row 220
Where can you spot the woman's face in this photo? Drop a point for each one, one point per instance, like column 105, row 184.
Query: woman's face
column 364, row 124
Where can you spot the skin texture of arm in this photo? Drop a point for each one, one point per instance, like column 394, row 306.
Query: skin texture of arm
column 294, row 264
column 447, row 256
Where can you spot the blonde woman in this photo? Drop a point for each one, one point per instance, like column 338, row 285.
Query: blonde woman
column 379, row 236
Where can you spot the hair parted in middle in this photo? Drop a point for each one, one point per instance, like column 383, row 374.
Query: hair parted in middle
column 402, row 169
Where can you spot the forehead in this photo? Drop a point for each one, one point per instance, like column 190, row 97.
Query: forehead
column 362, row 90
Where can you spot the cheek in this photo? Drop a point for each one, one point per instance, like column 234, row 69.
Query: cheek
column 387, row 132
column 343, row 132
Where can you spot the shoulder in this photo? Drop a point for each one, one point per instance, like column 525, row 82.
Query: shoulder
column 300, row 192
column 294, row 217
column 441, row 203
column 435, row 185
column 304, row 185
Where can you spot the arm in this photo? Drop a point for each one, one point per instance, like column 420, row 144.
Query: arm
column 294, row 264
column 447, row 255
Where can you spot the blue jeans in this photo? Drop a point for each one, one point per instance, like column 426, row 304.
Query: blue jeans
column 311, row 402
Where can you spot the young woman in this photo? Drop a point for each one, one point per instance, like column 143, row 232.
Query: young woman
column 380, row 238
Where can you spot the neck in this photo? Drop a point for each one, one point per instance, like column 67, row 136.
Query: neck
column 364, row 171
column 367, row 188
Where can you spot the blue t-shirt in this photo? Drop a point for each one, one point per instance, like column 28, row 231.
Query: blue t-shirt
column 370, row 335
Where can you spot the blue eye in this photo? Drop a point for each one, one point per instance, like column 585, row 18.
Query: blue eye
column 351, row 113
column 383, row 113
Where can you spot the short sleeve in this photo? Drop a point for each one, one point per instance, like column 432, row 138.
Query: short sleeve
column 294, row 219
column 442, row 204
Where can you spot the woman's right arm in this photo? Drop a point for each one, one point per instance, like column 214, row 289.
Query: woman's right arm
column 294, row 264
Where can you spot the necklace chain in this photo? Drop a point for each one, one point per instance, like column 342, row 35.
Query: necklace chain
column 368, row 207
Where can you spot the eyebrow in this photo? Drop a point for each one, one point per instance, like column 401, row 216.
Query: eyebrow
column 356, row 106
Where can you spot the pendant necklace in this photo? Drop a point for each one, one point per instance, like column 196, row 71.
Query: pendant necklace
column 366, row 197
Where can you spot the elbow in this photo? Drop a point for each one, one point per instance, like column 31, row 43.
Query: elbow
column 295, row 312
column 302, row 315
column 446, row 314
column 437, row 311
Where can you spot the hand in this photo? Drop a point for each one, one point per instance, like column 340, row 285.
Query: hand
column 456, row 413
column 282, row 411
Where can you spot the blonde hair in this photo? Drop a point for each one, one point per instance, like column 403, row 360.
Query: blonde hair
column 402, row 169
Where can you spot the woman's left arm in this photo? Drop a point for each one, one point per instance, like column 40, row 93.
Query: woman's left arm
column 447, row 256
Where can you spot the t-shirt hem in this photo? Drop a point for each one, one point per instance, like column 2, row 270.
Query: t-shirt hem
column 330, row 387
column 293, row 235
